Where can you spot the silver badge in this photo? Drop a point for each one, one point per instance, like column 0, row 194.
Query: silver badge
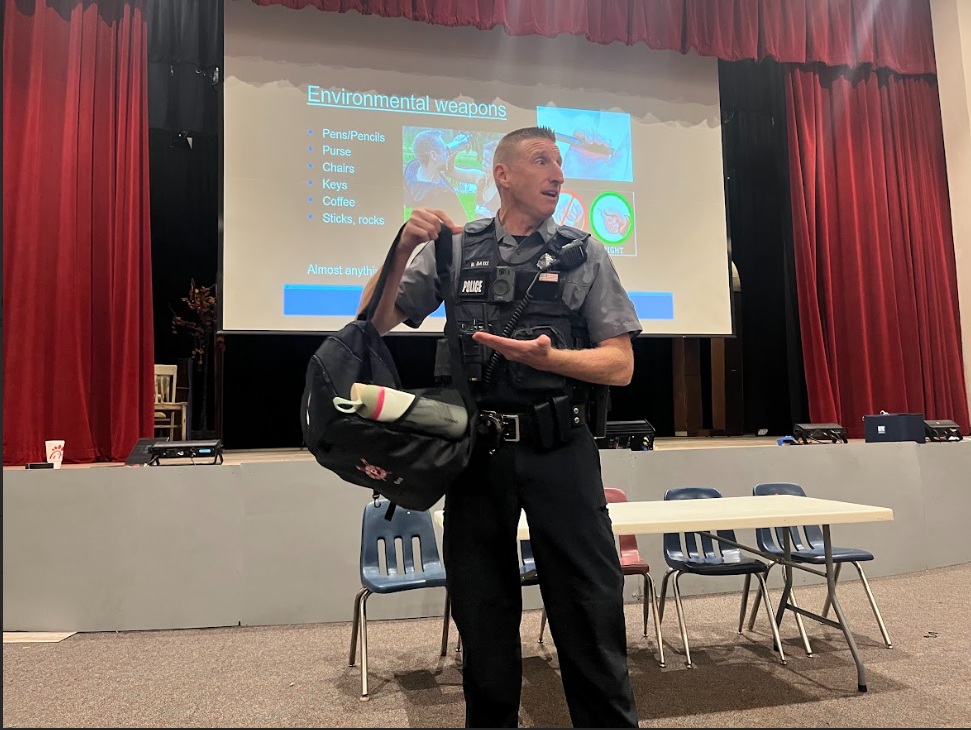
column 545, row 261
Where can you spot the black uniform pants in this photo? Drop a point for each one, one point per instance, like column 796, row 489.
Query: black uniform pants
column 580, row 578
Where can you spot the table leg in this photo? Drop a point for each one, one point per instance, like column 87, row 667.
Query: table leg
column 834, row 601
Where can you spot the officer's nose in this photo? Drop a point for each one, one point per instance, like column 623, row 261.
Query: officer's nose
column 556, row 175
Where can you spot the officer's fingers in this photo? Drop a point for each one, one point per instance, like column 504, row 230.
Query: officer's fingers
column 451, row 226
column 419, row 231
column 443, row 217
column 543, row 343
column 490, row 340
column 503, row 345
column 426, row 216
column 434, row 219
column 417, row 225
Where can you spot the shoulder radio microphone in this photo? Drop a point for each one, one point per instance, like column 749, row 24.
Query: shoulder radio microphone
column 569, row 257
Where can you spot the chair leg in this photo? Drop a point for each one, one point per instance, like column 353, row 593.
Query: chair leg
column 768, row 609
column 836, row 577
column 542, row 625
column 356, row 625
column 873, row 605
column 448, row 615
column 649, row 585
column 802, row 628
column 664, row 592
column 364, row 688
column 741, row 612
column 758, row 601
column 644, row 601
column 677, row 604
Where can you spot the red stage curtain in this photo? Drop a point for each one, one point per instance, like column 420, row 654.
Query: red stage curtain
column 892, row 34
column 77, row 300
column 874, row 255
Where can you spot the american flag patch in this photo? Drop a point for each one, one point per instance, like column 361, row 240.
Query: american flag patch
column 553, row 276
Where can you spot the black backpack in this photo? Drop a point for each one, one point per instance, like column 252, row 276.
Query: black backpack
column 412, row 469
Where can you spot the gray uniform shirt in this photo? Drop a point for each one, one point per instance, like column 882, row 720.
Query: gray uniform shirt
column 593, row 289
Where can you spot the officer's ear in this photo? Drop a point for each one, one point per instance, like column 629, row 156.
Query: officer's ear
column 501, row 174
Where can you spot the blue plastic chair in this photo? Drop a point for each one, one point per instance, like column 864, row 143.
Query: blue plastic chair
column 808, row 548
column 422, row 570
column 709, row 559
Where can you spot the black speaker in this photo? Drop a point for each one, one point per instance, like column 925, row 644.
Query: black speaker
column 186, row 452
column 141, row 453
column 817, row 433
column 941, row 430
column 887, row 427
column 633, row 435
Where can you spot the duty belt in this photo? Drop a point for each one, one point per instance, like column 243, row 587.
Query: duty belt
column 525, row 428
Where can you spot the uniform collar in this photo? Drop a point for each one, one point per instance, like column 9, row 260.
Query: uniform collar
column 547, row 229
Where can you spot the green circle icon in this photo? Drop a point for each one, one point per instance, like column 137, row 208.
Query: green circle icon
column 612, row 218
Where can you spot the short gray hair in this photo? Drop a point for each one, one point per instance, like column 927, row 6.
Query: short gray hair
column 510, row 143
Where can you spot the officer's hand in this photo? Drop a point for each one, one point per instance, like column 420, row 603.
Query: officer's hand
column 424, row 225
column 534, row 353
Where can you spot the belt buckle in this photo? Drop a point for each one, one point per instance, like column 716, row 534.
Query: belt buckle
column 507, row 420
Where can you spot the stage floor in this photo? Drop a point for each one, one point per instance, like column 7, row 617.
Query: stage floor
column 255, row 456
column 660, row 444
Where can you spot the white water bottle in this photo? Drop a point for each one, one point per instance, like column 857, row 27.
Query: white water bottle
column 424, row 415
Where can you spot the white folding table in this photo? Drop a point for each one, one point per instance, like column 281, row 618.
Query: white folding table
column 707, row 516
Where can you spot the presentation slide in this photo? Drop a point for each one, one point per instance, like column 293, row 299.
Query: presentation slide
column 337, row 125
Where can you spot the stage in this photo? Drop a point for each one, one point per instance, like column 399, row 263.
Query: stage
column 269, row 537
column 258, row 456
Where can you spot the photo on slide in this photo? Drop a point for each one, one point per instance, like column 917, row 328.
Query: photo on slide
column 450, row 170
column 595, row 145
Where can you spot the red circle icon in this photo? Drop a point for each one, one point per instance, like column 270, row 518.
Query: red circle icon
column 570, row 210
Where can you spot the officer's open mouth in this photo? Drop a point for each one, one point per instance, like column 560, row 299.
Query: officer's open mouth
column 551, row 193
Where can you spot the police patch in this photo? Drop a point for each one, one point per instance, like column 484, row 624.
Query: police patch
column 473, row 287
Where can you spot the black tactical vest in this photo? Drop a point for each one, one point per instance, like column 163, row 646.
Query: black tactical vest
column 488, row 292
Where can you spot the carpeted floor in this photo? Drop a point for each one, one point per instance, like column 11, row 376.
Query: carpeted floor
column 298, row 675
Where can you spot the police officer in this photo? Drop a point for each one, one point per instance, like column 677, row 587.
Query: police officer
column 532, row 382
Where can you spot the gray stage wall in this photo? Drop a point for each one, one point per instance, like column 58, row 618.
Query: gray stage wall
column 109, row 549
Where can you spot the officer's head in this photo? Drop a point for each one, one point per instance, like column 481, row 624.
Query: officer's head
column 528, row 171
column 430, row 150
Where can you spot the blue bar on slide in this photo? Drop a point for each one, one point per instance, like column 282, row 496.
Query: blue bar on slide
column 313, row 300
column 342, row 301
column 653, row 304
column 322, row 301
